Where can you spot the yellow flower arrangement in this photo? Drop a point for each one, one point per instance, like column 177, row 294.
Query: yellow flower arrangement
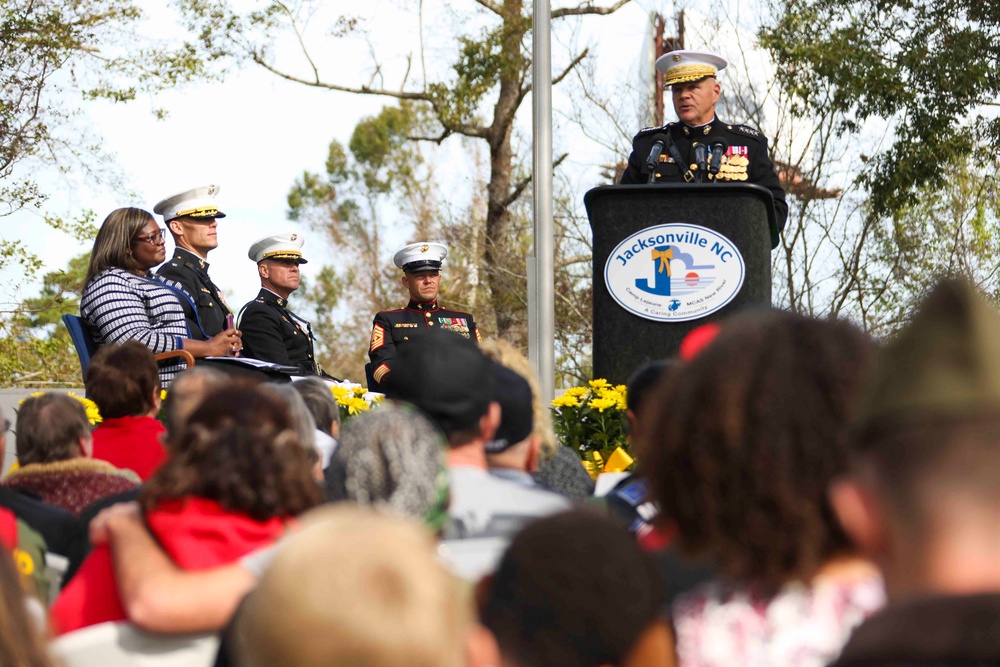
column 567, row 400
column 353, row 399
column 602, row 404
column 591, row 420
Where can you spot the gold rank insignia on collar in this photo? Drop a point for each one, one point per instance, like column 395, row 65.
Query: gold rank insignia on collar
column 704, row 130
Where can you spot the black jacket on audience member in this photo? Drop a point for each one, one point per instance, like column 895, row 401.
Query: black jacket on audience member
column 934, row 631
column 63, row 534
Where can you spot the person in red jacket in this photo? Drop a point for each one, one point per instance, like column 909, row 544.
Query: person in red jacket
column 124, row 381
column 234, row 479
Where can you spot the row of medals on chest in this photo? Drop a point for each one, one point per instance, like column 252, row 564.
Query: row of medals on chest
column 733, row 168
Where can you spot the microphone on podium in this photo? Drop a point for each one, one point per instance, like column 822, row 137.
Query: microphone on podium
column 659, row 143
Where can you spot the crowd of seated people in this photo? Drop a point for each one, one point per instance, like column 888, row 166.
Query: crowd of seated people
column 803, row 497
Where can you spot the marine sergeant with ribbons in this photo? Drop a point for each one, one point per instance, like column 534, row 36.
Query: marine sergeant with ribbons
column 701, row 147
column 421, row 265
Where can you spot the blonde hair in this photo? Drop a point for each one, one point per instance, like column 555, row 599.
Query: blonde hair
column 507, row 355
column 356, row 588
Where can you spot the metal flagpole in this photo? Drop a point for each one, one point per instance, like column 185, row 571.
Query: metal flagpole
column 541, row 270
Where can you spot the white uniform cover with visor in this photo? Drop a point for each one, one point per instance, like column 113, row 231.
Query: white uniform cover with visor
column 194, row 203
column 278, row 246
column 685, row 66
column 420, row 256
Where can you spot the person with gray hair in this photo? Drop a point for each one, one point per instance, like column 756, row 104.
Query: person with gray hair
column 303, row 421
column 319, row 399
column 186, row 393
column 393, row 458
column 54, row 447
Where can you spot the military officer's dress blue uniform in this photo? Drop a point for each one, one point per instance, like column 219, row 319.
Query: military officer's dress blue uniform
column 205, row 310
column 746, row 160
column 271, row 332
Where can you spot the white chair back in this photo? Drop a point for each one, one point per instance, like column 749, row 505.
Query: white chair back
column 120, row 644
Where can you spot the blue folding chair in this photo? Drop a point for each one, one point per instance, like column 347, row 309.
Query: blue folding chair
column 86, row 345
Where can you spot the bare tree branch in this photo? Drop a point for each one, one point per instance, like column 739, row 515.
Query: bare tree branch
column 584, row 9
column 298, row 36
column 492, row 6
column 437, row 140
column 557, row 80
column 523, row 183
column 457, row 128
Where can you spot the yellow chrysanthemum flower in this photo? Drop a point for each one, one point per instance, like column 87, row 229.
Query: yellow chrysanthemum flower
column 354, row 404
column 93, row 414
column 339, row 391
column 598, row 383
column 567, row 400
column 576, row 391
column 601, row 404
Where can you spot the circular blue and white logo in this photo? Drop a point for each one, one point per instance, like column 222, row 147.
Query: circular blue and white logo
column 674, row 272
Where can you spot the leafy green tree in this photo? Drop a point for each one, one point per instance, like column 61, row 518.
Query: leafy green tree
column 345, row 204
column 929, row 69
column 35, row 347
column 478, row 99
column 376, row 173
column 53, row 52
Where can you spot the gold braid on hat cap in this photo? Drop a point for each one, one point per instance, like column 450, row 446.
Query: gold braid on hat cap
column 200, row 212
column 683, row 73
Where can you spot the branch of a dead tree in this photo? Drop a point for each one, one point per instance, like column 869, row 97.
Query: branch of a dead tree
column 437, row 140
column 557, row 80
column 492, row 6
column 587, row 8
column 455, row 128
column 526, row 181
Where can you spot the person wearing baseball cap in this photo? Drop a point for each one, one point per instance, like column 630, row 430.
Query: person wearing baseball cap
column 484, row 411
column 191, row 218
column 692, row 79
column 421, row 265
column 272, row 332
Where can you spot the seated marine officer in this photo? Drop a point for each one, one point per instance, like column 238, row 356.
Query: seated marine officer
column 272, row 332
column 421, row 265
column 191, row 217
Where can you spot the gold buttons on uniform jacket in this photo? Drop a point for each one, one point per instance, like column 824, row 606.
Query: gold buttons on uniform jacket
column 427, row 314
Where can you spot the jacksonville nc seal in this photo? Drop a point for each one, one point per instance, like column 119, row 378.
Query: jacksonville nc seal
column 674, row 272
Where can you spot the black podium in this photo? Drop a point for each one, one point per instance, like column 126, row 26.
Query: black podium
column 669, row 258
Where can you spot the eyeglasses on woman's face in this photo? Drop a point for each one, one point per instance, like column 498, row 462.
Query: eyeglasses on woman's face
column 152, row 239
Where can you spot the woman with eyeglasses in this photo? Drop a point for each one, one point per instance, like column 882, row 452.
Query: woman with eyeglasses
column 122, row 301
